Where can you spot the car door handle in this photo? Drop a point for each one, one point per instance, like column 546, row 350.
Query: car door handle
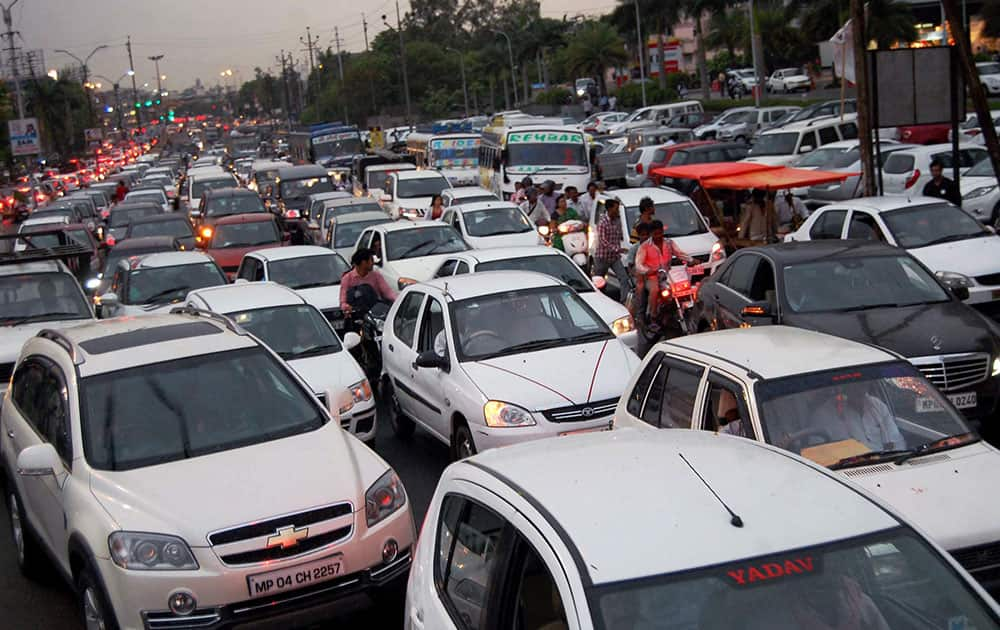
column 10, row 434
column 391, row 349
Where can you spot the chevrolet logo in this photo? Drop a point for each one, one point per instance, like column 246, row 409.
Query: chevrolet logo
column 287, row 537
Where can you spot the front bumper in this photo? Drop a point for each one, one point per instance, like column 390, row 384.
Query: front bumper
column 491, row 437
column 360, row 422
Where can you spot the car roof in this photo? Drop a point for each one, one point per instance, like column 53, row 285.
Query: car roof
column 133, row 205
column 468, row 191
column 813, row 123
column 423, row 174
column 402, row 226
column 341, row 202
column 40, row 266
column 938, row 148
column 776, row 351
column 245, row 295
column 333, row 194
column 685, row 521
column 489, row 282
column 159, row 218
column 826, row 249
column 302, row 171
column 476, row 206
column 888, row 203
column 367, row 215
column 245, row 217
column 632, row 196
column 169, row 259
column 229, row 192
column 292, row 251
column 141, row 242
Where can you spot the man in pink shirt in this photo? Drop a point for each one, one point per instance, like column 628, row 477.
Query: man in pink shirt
column 364, row 273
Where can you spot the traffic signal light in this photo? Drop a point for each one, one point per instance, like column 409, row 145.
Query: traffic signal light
column 149, row 103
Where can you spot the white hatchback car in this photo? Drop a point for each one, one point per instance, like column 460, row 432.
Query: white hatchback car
column 571, row 535
column 408, row 194
column 489, row 224
column 312, row 272
column 466, row 194
column 410, row 251
column 179, row 474
column 155, row 283
column 947, row 240
column 300, row 335
column 551, row 262
column 981, row 193
column 852, row 407
column 489, row 359
column 906, row 172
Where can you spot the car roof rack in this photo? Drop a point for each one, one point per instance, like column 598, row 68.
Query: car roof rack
column 67, row 250
column 201, row 312
column 64, row 342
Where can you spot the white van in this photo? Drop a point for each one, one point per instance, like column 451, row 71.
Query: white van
column 778, row 147
column 655, row 116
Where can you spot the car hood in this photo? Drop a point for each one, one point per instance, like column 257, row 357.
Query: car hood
column 968, row 184
column 323, row 298
column 556, row 377
column 972, row 257
column 912, row 331
column 696, row 244
column 770, row 160
column 215, row 491
column 942, row 493
column 330, row 373
column 606, row 308
column 420, row 269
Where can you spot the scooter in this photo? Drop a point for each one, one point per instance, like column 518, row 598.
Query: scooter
column 574, row 240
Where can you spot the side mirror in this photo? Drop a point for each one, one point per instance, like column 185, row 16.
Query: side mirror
column 961, row 293
column 110, row 300
column 757, row 311
column 431, row 359
column 805, row 148
column 39, row 460
column 352, row 340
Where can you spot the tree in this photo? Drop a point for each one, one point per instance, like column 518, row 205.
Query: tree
column 727, row 29
column 889, row 22
column 990, row 12
column 591, row 49
column 696, row 9
column 819, row 20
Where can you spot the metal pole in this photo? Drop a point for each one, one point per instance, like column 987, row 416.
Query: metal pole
column 8, row 22
column 513, row 71
column 135, row 92
column 753, row 53
column 371, row 82
column 465, row 89
column 402, row 60
column 159, row 86
column 642, row 53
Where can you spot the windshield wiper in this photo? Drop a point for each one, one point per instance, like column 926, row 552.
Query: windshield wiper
column 537, row 344
column 952, row 238
column 591, row 336
column 865, row 307
column 43, row 317
column 313, row 285
column 420, row 245
column 869, row 458
column 162, row 296
column 311, row 352
column 940, row 444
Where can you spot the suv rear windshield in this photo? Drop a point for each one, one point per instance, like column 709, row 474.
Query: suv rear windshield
column 39, row 297
column 233, row 204
column 169, row 411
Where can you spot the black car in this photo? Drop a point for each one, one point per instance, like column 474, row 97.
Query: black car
column 867, row 292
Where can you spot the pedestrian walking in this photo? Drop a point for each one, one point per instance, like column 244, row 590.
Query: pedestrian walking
column 608, row 254
column 941, row 187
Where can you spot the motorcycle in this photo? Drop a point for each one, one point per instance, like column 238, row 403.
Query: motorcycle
column 367, row 318
column 574, row 240
column 678, row 286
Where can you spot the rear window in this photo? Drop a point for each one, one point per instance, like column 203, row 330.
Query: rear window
column 635, row 157
column 660, row 156
column 899, row 163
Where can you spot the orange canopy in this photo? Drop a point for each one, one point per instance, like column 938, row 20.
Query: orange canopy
column 746, row 175
column 701, row 172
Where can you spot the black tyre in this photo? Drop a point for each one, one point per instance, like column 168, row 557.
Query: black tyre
column 463, row 445
column 26, row 550
column 92, row 603
column 402, row 426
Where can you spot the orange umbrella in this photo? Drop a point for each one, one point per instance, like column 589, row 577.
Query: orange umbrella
column 780, row 178
column 701, row 172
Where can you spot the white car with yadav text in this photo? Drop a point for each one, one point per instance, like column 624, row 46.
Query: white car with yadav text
column 571, row 535
column 300, row 335
column 408, row 194
column 850, row 406
column 490, row 359
column 179, row 474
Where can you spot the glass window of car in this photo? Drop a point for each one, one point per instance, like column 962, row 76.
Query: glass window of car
column 740, row 275
column 307, row 272
column 431, row 325
column 853, row 284
column 27, row 392
column 680, row 218
column 162, row 285
column 637, row 399
column 725, row 408
column 447, row 269
column 827, row 135
column 426, row 241
column 461, row 268
column 421, row 187
column 39, row 297
column 249, row 268
column 301, row 188
column 829, row 225
column 679, row 158
column 782, row 143
column 932, row 224
column 672, row 394
column 820, row 158
column 245, row 234
column 122, row 217
column 848, row 131
column 404, row 325
column 293, row 332
column 970, row 157
column 533, row 601
column 201, row 184
column 864, row 226
column 555, row 265
column 176, row 228
column 899, row 163
column 233, row 204
column 762, row 286
column 944, row 159
column 497, row 222
column 162, row 412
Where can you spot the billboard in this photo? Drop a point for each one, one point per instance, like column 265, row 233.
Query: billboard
column 24, row 139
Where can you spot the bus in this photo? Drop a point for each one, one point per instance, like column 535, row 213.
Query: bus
column 327, row 144
column 538, row 148
column 455, row 155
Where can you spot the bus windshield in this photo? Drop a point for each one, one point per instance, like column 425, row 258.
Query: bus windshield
column 546, row 148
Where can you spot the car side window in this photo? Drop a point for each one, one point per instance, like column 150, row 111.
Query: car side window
column 461, row 268
column 864, row 226
column 830, row 224
column 725, row 408
column 763, row 281
column 470, row 543
column 365, row 240
column 741, row 275
column 808, row 140
column 828, row 135
column 944, row 159
column 532, row 599
column 258, row 272
column 447, row 269
column 26, row 382
column 38, row 387
column 672, row 394
column 849, row 131
column 404, row 326
column 431, row 325
column 246, row 270
column 969, row 157
column 637, row 398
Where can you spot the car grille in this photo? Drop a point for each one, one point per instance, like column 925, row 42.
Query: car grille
column 978, row 557
column 988, row 279
column 587, row 411
column 954, row 371
column 276, row 553
column 6, row 369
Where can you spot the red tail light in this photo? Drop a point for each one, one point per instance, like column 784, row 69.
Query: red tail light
column 638, row 168
column 913, row 178
column 111, row 241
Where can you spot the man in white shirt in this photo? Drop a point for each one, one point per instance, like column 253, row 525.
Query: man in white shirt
column 788, row 207
column 535, row 209
column 586, row 204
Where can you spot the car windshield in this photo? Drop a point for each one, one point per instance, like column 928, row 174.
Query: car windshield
column 122, row 216
column 199, row 185
column 739, row 117
column 546, row 154
column 163, row 285
column 376, row 180
column 39, row 297
column 427, row 241
column 775, row 144
column 233, row 204
column 294, row 331
column 559, row 267
column 680, row 218
column 343, row 146
column 170, row 411
column 158, row 196
column 933, row 224
column 48, row 239
column 497, row 222
column 245, row 234
column 889, row 579
column 856, row 284
column 822, row 157
column 345, row 234
column 177, row 228
column 524, row 320
column 421, row 187
column 983, row 168
column 116, row 254
column 791, row 72
column 833, row 417
column 306, row 272
column 473, row 199
column 300, row 188
column 988, row 68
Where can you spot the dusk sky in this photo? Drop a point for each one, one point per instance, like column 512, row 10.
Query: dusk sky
column 200, row 38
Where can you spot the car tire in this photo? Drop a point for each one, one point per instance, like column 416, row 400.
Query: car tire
column 463, row 445
column 740, row 139
column 402, row 427
column 27, row 551
column 92, row 604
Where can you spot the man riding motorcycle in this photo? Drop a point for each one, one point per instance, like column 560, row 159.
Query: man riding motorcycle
column 654, row 255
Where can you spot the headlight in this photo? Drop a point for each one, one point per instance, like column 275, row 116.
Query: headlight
column 150, row 552
column 93, row 283
column 384, row 497
column 979, row 192
column 402, row 283
column 996, row 367
column 718, row 251
column 500, row 414
column 623, row 325
column 543, row 230
column 954, row 279
column 357, row 393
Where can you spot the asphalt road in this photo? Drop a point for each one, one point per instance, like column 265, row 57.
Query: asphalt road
column 32, row 605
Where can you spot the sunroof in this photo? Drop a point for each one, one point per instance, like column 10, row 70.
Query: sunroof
column 147, row 336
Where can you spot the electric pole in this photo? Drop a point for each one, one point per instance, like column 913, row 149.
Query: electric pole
column 287, row 97
column 860, row 44
column 402, row 60
column 309, row 42
column 135, row 92
column 340, row 65
column 12, row 49
column 159, row 86
column 371, row 82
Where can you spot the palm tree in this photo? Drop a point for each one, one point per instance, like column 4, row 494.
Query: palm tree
column 697, row 9
column 592, row 48
column 727, row 29
column 819, row 20
column 889, row 22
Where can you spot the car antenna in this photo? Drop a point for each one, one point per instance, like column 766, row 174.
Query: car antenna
column 735, row 521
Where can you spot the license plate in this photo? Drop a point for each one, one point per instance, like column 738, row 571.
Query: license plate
column 963, row 401
column 299, row 576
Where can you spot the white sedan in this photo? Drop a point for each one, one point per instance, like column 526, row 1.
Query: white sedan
column 488, row 224
column 312, row 272
column 410, row 251
column 788, row 80
column 157, row 282
column 489, row 359
column 981, row 193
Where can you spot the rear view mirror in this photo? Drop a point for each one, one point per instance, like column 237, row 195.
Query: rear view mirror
column 109, row 300
column 757, row 311
column 352, row 340
column 805, row 148
column 38, row 460
column 431, row 359
column 961, row 293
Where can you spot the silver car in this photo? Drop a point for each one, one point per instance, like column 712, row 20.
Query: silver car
column 852, row 187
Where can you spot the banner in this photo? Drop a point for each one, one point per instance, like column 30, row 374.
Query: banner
column 843, row 52
column 24, row 138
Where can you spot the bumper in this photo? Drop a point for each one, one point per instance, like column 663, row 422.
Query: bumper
column 139, row 598
column 490, row 437
column 361, row 422
column 983, row 295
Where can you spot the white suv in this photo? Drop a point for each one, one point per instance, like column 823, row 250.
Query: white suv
column 179, row 474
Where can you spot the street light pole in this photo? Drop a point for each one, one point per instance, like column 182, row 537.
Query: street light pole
column 641, row 51
column 118, row 104
column 402, row 59
column 513, row 72
column 83, row 68
column 465, row 88
column 753, row 53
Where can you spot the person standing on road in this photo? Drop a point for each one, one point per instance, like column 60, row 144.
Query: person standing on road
column 608, row 254
column 364, row 273
column 588, row 107
column 603, row 102
column 646, row 210
column 535, row 209
column 941, row 187
column 586, row 204
column 437, row 208
column 613, row 103
column 120, row 191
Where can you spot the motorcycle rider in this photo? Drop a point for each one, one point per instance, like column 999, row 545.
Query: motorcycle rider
column 352, row 293
column 562, row 214
column 654, row 255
